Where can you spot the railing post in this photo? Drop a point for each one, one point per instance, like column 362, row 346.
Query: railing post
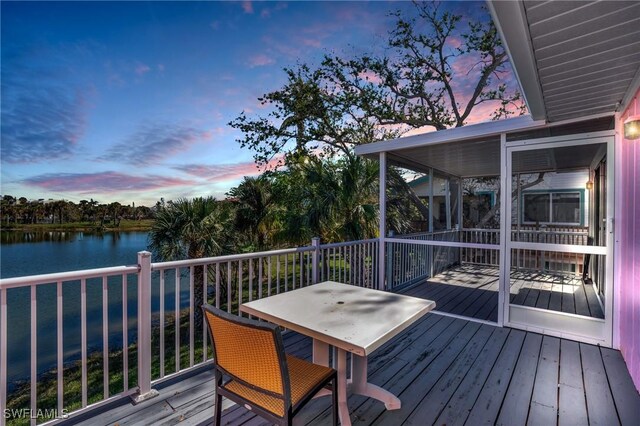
column 382, row 200
column 144, row 329
column 389, row 261
column 315, row 260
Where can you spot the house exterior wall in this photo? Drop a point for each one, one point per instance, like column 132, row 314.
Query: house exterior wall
column 627, row 247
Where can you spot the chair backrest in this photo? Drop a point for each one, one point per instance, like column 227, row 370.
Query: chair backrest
column 249, row 351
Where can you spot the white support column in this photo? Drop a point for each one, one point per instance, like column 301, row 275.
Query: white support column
column 144, row 329
column 430, row 200
column 447, row 202
column 383, row 221
column 505, row 234
column 460, row 204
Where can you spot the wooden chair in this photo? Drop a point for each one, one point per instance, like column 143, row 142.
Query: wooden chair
column 252, row 369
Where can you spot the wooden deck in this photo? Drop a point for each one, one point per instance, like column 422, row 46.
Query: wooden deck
column 472, row 291
column 446, row 371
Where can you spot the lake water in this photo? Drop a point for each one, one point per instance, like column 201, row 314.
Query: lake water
column 27, row 253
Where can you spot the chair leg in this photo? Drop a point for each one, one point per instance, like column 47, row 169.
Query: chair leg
column 334, row 396
column 218, row 410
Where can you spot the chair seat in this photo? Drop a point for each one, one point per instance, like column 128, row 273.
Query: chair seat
column 304, row 377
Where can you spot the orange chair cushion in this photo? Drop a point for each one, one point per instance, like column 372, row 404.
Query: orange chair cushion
column 303, row 375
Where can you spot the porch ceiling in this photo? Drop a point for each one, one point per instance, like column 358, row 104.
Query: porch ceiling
column 572, row 58
column 474, row 150
column 468, row 151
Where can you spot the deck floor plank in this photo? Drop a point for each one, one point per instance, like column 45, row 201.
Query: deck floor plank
column 434, row 402
column 461, row 402
column 600, row 406
column 487, row 406
column 520, row 387
column 626, row 399
column 571, row 400
column 544, row 402
column 423, row 376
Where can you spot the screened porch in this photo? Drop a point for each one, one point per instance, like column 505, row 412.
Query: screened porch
column 517, row 225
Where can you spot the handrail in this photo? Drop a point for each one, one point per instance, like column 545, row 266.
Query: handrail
column 227, row 258
column 30, row 280
column 348, row 243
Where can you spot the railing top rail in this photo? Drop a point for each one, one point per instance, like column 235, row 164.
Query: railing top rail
column 66, row 276
column 348, row 243
column 228, row 258
column 420, row 234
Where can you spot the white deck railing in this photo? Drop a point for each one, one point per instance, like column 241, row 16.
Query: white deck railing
column 170, row 339
column 166, row 341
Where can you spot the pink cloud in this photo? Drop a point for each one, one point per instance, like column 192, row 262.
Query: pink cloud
column 247, row 6
column 227, row 172
column 161, row 67
column 370, row 76
column 285, row 49
column 142, row 69
column 260, row 60
column 103, row 182
column 152, row 143
column 312, row 42
column 454, row 42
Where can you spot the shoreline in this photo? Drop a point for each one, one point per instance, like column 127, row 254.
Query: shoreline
column 125, row 225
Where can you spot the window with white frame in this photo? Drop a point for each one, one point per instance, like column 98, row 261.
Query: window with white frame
column 557, row 207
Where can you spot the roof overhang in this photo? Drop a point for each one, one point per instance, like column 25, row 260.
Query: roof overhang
column 572, row 58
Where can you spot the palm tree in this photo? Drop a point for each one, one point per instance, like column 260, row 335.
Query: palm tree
column 191, row 229
column 255, row 209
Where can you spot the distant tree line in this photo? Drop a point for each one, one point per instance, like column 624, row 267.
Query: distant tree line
column 20, row 210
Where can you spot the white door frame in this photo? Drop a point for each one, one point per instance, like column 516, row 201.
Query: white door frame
column 576, row 327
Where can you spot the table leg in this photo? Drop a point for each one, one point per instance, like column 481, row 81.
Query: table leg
column 362, row 387
column 320, row 353
column 343, row 407
column 321, row 357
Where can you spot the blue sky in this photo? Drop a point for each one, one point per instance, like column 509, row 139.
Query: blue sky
column 129, row 102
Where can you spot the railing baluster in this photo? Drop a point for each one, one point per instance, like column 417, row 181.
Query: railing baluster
column 105, row 336
column 301, row 262
column 83, row 337
column 218, row 285
column 293, row 279
column 3, row 353
column 162, row 350
column 34, row 352
column 250, row 280
column 205, row 294
column 278, row 274
column 229, row 286
column 286, row 272
column 239, row 285
column 59, row 348
column 125, row 334
column 191, row 315
column 269, row 276
column 261, row 260
column 177, row 320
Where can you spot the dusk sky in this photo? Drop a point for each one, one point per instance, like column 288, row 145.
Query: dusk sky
column 129, row 102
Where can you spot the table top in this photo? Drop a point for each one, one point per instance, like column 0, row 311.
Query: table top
column 356, row 319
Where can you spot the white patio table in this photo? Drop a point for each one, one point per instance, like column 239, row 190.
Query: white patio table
column 351, row 319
